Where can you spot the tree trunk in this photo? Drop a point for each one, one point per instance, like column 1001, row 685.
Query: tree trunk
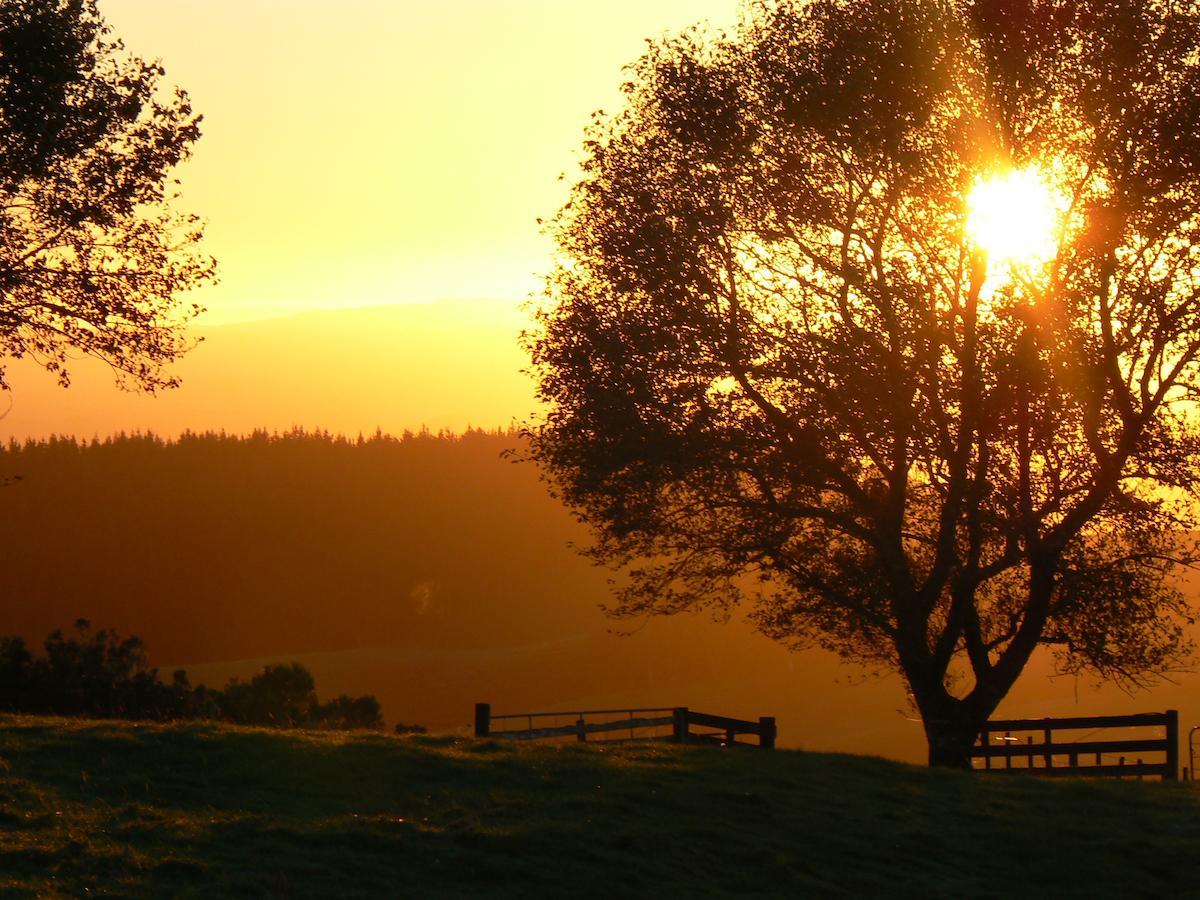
column 951, row 729
column 950, row 742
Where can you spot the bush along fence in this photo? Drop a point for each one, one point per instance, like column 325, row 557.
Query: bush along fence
column 675, row 724
column 1039, row 753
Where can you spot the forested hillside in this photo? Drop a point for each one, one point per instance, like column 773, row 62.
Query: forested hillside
column 217, row 547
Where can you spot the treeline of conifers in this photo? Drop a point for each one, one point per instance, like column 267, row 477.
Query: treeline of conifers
column 278, row 545
column 99, row 674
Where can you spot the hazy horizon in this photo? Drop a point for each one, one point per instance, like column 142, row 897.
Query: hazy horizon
column 443, row 365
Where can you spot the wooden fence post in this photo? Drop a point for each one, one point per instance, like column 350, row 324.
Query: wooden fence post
column 766, row 732
column 581, row 730
column 679, row 734
column 483, row 719
column 1172, row 745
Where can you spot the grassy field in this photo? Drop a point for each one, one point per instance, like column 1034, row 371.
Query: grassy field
column 92, row 809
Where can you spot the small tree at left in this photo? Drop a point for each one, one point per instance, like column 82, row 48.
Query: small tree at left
column 93, row 254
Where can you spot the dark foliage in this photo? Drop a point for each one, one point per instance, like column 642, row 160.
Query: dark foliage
column 93, row 256
column 779, row 369
column 346, row 713
column 427, row 539
column 281, row 695
column 285, row 696
column 95, row 674
column 98, row 674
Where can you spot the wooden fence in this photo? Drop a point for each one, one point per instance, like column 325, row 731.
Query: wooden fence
column 632, row 726
column 1042, row 755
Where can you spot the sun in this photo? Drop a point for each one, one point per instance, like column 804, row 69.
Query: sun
column 1013, row 218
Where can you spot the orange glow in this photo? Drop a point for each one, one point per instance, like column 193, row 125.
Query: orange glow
column 366, row 153
column 378, row 152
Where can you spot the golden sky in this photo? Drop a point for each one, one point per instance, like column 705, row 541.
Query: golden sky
column 384, row 151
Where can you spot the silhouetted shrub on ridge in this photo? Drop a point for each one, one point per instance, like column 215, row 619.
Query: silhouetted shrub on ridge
column 346, row 713
column 100, row 675
column 96, row 674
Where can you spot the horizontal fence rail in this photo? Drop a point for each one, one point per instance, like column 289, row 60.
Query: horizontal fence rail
column 1037, row 755
column 647, row 724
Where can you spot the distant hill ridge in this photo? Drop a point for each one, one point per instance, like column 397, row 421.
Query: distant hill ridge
column 258, row 435
column 445, row 366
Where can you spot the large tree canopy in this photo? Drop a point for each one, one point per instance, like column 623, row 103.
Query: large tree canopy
column 780, row 369
column 92, row 256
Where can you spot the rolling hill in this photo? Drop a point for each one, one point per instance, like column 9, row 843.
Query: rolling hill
column 199, row 810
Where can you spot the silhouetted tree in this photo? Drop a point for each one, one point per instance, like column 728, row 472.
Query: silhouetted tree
column 92, row 257
column 285, row 696
column 281, row 695
column 101, row 675
column 16, row 664
column 197, row 702
column 776, row 365
column 96, row 674
column 346, row 713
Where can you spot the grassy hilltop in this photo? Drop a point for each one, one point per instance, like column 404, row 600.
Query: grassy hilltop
column 92, row 808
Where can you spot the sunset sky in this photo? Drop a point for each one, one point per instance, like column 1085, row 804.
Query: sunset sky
column 369, row 152
column 374, row 151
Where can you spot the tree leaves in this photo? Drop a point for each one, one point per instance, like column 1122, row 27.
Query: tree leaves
column 771, row 351
column 93, row 257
